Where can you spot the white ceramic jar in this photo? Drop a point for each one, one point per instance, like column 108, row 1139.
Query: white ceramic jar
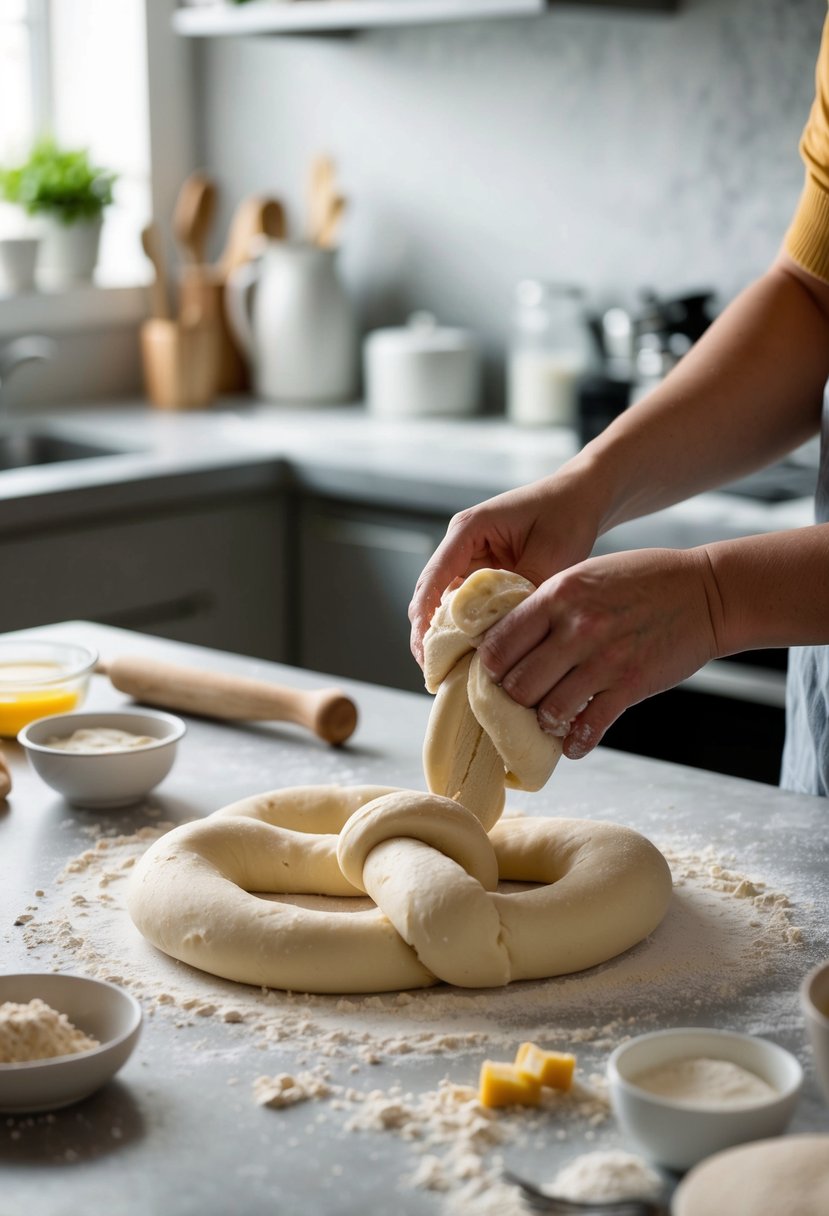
column 290, row 313
column 422, row 370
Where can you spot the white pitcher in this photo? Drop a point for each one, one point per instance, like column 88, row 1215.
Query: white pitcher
column 290, row 313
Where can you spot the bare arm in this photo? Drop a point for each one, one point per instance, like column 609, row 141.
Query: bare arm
column 608, row 632
column 749, row 391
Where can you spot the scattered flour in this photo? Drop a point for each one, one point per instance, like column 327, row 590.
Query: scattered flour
column 36, row 1031
column 727, row 935
column 286, row 1090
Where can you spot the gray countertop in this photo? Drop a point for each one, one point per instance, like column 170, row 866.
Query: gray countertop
column 432, row 465
column 179, row 1133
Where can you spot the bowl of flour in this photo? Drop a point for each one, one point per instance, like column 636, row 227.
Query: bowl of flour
column 681, row 1095
column 61, row 1038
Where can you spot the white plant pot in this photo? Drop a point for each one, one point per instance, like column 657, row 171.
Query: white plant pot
column 68, row 252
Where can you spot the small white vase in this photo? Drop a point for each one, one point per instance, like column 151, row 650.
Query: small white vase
column 68, row 252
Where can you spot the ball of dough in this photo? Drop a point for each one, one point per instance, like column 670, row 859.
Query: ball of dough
column 784, row 1177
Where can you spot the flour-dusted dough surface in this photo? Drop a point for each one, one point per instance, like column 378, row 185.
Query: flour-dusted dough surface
column 199, row 894
column 788, row 1176
column 479, row 739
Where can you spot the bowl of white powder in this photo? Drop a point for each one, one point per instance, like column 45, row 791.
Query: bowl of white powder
column 103, row 760
column 61, row 1038
column 680, row 1095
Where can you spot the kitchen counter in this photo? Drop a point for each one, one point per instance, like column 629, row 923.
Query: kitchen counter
column 433, row 465
column 179, row 1133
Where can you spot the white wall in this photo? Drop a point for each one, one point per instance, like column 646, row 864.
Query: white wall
column 620, row 150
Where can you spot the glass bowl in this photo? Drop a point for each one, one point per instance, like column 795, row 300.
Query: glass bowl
column 39, row 678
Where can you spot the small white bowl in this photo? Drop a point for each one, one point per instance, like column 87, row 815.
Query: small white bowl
column 678, row 1135
column 101, row 1010
column 814, row 1001
column 102, row 780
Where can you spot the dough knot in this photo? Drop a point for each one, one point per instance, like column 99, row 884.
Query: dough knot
column 479, row 739
column 428, row 864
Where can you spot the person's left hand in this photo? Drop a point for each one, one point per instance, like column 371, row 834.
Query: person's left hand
column 604, row 634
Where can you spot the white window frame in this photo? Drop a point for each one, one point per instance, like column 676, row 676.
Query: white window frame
column 172, row 143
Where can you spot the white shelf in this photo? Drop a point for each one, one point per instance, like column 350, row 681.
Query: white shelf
column 309, row 16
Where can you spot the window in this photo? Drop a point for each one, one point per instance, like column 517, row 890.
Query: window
column 77, row 69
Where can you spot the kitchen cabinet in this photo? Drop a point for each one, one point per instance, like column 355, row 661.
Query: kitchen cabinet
column 357, row 569
column 323, row 16
column 723, row 734
column 210, row 573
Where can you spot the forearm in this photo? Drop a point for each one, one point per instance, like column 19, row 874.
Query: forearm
column 749, row 391
column 770, row 590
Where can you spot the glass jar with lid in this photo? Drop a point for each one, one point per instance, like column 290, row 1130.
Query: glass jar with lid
column 550, row 351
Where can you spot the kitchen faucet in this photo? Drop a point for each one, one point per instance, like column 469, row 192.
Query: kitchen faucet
column 19, row 351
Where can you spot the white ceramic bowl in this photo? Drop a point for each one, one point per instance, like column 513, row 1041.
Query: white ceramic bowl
column 104, row 779
column 678, row 1135
column 814, row 1001
column 104, row 1011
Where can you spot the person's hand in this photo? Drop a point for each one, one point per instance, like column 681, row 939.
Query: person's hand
column 603, row 635
column 534, row 531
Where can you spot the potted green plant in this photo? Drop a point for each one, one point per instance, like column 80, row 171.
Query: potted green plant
column 67, row 194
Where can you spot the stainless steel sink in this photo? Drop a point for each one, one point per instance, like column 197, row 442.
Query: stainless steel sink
column 23, row 449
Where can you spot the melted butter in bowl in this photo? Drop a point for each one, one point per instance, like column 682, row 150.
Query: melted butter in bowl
column 94, row 740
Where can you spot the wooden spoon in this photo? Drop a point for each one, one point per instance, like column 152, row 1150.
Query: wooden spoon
column 255, row 216
column 321, row 191
column 151, row 242
column 327, row 235
column 193, row 214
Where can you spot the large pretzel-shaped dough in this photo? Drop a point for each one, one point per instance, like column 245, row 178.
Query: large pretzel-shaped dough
column 430, row 863
column 197, row 893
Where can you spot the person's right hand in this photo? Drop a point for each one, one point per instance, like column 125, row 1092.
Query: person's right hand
column 535, row 531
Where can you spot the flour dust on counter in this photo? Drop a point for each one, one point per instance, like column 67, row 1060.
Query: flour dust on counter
column 729, row 934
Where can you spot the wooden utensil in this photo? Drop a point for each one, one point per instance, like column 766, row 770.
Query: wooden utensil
column 327, row 236
column 322, row 188
column 255, row 216
column 201, row 296
column 151, row 242
column 327, row 712
column 181, row 362
column 193, row 214
column 5, row 778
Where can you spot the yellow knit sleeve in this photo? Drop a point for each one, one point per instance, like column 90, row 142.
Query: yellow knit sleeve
column 807, row 240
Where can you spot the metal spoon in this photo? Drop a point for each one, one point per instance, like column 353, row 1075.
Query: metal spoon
column 541, row 1201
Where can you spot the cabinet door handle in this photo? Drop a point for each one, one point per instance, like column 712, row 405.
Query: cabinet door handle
column 740, row 682
column 183, row 608
column 373, row 535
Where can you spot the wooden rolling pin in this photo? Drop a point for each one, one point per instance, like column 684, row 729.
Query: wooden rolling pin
column 327, row 712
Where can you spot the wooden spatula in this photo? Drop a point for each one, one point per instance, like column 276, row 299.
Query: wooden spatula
column 193, row 214
column 151, row 243
column 327, row 712
column 255, row 216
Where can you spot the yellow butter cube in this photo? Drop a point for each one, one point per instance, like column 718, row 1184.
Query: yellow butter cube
column 552, row 1068
column 501, row 1084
